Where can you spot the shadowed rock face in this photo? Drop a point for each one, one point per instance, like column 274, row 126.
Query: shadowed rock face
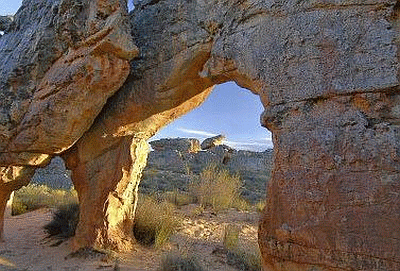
column 326, row 73
column 5, row 22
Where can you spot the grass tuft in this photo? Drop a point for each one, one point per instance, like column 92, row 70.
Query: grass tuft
column 177, row 262
column 33, row 197
column 155, row 221
column 178, row 198
column 260, row 206
column 231, row 236
column 247, row 258
column 217, row 188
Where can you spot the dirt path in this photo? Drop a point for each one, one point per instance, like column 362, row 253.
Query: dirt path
column 27, row 248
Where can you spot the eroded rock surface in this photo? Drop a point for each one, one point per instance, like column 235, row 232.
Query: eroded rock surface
column 60, row 62
column 326, row 72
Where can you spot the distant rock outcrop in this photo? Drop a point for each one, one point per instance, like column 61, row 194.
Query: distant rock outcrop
column 5, row 22
column 173, row 164
column 176, row 144
column 210, row 142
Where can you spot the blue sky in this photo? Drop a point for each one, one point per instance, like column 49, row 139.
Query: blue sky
column 8, row 7
column 229, row 110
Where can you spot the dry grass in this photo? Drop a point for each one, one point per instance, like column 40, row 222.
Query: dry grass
column 217, row 188
column 34, row 196
column 231, row 236
column 244, row 257
column 178, row 198
column 177, row 262
column 260, row 206
column 155, row 221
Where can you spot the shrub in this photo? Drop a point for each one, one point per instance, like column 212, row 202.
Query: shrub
column 64, row 222
column 231, row 236
column 245, row 259
column 217, row 188
column 154, row 221
column 176, row 262
column 178, row 198
column 34, row 196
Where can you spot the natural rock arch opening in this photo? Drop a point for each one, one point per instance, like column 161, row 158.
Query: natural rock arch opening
column 229, row 110
column 180, row 150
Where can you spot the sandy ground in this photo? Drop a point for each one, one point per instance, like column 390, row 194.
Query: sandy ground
column 27, row 248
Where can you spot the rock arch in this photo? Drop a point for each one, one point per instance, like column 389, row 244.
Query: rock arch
column 326, row 73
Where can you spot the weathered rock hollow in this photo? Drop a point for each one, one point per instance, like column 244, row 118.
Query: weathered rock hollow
column 90, row 82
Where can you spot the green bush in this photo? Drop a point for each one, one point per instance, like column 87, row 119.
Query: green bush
column 34, row 196
column 217, row 188
column 154, row 221
column 176, row 262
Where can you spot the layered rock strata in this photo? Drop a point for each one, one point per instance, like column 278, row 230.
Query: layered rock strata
column 326, row 72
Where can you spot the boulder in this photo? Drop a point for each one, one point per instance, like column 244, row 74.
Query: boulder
column 210, row 142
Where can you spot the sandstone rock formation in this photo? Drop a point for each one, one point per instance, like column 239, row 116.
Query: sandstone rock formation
column 326, row 72
column 210, row 142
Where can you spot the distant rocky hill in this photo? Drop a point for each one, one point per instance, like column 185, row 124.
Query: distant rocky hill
column 174, row 162
column 55, row 175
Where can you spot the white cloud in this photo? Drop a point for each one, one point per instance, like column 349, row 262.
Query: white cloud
column 196, row 132
column 259, row 144
column 255, row 145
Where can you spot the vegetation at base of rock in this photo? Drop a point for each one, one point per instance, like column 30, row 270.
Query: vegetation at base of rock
column 64, row 222
column 245, row 259
column 32, row 197
column 155, row 221
column 242, row 256
column 231, row 236
column 217, row 188
column 178, row 262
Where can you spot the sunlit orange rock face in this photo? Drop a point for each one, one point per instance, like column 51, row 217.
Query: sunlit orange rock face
column 326, row 73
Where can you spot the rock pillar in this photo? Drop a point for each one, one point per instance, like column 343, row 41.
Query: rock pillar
column 8, row 210
column 11, row 178
column 333, row 202
column 107, row 187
